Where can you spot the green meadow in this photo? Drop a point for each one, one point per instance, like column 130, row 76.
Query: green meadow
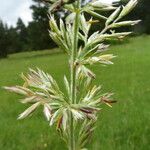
column 126, row 126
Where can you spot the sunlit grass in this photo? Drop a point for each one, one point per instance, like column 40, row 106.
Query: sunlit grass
column 124, row 127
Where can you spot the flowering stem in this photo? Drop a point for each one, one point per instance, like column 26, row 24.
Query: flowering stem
column 72, row 145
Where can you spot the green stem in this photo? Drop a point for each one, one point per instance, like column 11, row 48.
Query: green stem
column 72, row 143
column 104, row 30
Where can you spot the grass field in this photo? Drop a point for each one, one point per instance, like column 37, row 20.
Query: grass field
column 124, row 127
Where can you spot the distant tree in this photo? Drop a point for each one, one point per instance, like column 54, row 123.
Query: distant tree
column 3, row 40
column 22, row 34
column 38, row 28
column 14, row 42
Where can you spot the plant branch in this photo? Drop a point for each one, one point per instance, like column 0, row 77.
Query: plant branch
column 73, row 74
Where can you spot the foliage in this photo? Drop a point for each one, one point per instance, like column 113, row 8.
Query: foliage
column 13, row 39
column 3, row 40
column 22, row 35
column 38, row 37
column 75, row 112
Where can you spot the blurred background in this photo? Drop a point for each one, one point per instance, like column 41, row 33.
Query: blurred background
column 24, row 43
column 24, row 25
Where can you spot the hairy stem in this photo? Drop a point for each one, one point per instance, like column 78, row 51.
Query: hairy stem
column 72, row 144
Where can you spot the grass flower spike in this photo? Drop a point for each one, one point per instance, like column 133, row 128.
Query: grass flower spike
column 74, row 110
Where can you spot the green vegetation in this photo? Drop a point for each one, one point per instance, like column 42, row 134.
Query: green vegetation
column 124, row 127
column 20, row 38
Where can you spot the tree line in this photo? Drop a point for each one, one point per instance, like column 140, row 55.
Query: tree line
column 25, row 38
column 35, row 36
